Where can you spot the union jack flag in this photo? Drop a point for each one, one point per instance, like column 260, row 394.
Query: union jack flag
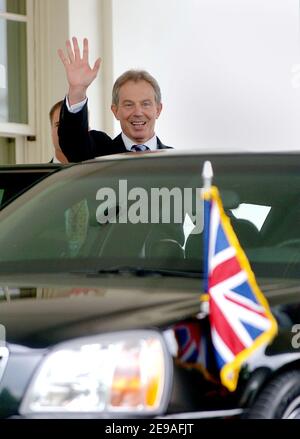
column 239, row 314
column 191, row 343
column 192, row 346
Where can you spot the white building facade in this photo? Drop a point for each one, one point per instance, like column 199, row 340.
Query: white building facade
column 229, row 70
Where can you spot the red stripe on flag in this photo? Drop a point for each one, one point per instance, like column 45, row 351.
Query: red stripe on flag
column 230, row 299
column 224, row 330
column 223, row 271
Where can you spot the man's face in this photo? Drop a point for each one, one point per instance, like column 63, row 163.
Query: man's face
column 137, row 110
column 54, row 128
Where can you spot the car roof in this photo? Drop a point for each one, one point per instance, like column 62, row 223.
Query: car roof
column 192, row 152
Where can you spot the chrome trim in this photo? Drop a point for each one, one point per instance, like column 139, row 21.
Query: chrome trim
column 204, row 415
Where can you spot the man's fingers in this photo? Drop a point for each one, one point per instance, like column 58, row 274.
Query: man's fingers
column 73, row 55
column 70, row 51
column 97, row 66
column 62, row 57
column 76, row 49
column 85, row 54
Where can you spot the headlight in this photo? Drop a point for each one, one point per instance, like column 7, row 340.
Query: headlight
column 125, row 372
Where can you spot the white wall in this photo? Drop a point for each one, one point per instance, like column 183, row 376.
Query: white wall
column 85, row 21
column 224, row 67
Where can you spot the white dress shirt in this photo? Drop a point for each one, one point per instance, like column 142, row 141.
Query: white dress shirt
column 151, row 143
column 55, row 160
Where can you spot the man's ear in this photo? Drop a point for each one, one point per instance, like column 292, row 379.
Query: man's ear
column 114, row 109
column 158, row 109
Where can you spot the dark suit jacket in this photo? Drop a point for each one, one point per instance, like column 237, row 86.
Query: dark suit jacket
column 78, row 143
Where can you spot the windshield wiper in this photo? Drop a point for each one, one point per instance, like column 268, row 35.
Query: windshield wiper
column 123, row 270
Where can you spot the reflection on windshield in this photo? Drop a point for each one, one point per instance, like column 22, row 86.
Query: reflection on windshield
column 254, row 213
column 8, row 294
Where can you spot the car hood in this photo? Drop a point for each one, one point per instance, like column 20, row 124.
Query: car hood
column 53, row 308
column 44, row 309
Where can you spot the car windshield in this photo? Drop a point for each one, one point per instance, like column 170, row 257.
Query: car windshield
column 146, row 213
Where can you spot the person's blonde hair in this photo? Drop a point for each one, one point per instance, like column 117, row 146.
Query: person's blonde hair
column 54, row 108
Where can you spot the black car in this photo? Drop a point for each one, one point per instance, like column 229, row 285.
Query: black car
column 101, row 275
column 16, row 179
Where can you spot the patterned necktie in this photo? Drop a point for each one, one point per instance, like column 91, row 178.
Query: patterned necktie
column 139, row 148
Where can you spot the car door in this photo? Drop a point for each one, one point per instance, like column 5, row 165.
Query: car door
column 15, row 179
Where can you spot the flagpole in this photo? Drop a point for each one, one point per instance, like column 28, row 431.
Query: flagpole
column 207, row 175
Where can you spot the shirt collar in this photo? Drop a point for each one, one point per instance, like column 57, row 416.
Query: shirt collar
column 151, row 143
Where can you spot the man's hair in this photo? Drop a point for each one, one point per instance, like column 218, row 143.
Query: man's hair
column 54, row 108
column 135, row 76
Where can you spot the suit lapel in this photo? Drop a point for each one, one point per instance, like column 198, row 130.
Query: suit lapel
column 119, row 144
column 160, row 145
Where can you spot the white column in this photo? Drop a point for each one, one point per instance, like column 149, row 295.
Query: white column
column 50, row 30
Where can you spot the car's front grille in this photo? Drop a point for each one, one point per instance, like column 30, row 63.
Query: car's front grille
column 3, row 360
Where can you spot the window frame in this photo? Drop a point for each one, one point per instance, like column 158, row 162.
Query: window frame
column 11, row 128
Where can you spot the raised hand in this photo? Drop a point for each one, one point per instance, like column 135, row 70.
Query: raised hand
column 78, row 70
